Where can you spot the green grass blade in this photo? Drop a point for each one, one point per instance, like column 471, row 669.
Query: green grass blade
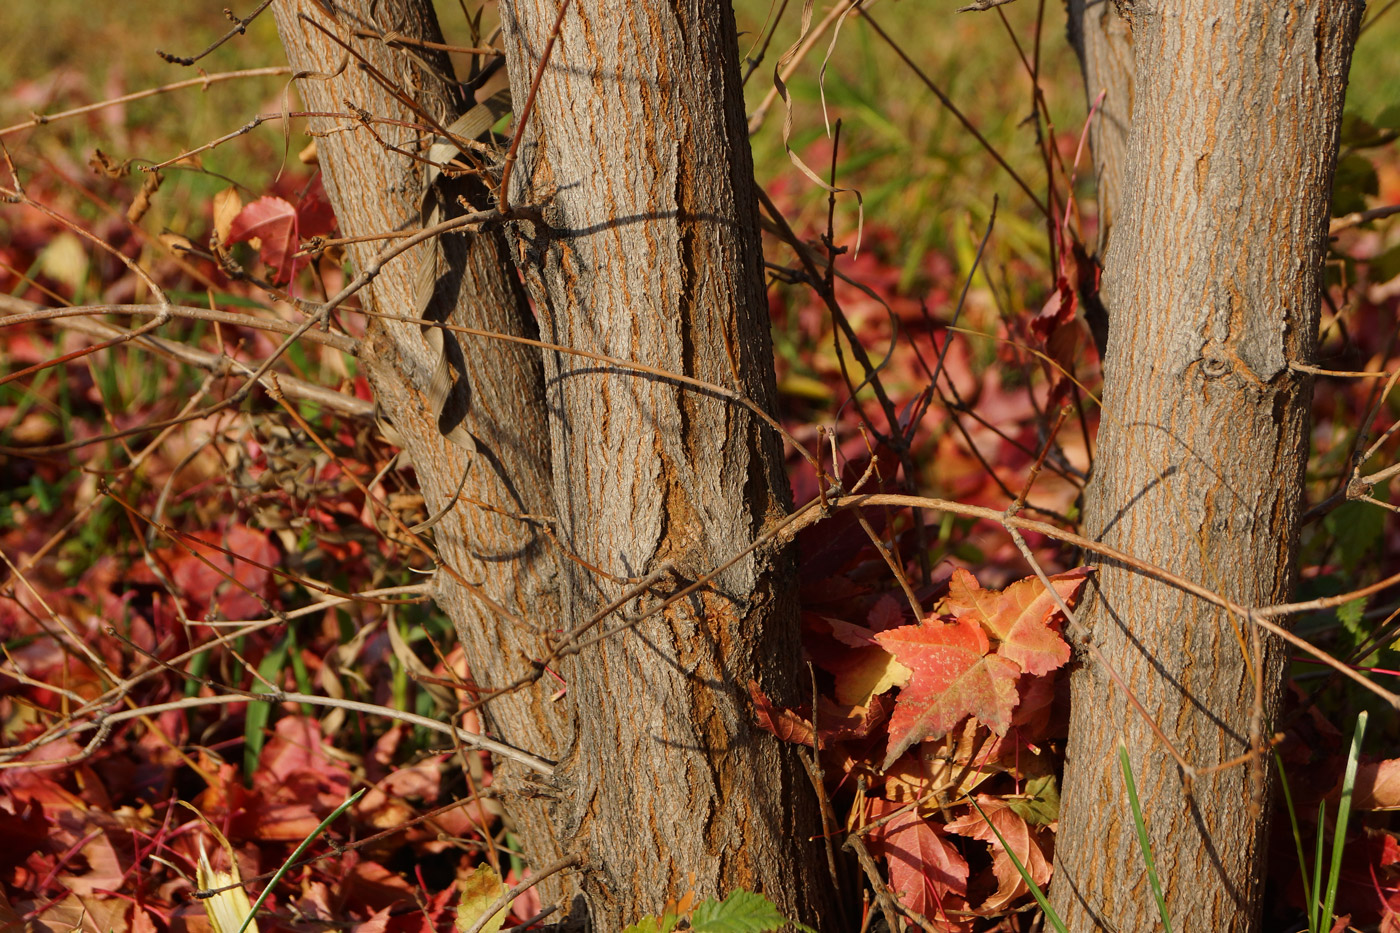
column 1315, row 907
column 1297, row 833
column 1039, row 895
column 291, row 860
column 1339, row 837
column 1144, row 843
column 256, row 718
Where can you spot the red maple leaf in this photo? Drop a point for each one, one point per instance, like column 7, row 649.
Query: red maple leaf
column 279, row 228
column 1377, row 786
column 213, row 576
column 1057, row 311
column 1020, row 838
column 1021, row 616
column 952, row 677
column 273, row 223
column 927, row 872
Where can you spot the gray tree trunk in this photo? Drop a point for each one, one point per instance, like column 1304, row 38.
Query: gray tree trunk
column 649, row 251
column 1213, row 278
column 1103, row 40
column 509, row 561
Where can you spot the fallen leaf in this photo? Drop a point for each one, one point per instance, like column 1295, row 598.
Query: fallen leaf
column 9, row 920
column 1039, row 803
column 927, row 872
column 784, row 723
column 1024, row 841
column 835, row 722
column 481, row 889
column 315, row 216
column 377, row 923
column 227, row 206
column 228, row 910
column 1377, row 786
column 1021, row 617
column 273, row 222
column 953, row 677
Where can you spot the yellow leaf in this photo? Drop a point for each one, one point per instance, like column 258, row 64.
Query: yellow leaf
column 176, row 243
column 227, row 205
column 873, row 671
column 481, row 889
column 228, row 909
column 65, row 259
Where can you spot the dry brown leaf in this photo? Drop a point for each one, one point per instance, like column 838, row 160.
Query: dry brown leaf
column 227, row 205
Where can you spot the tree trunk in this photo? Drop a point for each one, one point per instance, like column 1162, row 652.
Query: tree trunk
column 1103, row 40
column 509, row 562
column 649, row 251
column 1214, row 279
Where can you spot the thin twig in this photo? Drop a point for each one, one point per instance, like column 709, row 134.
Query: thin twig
column 115, row 694
column 44, row 119
column 1264, row 615
column 9, row 307
column 1357, row 218
column 889, row 905
column 240, row 27
column 394, row 39
column 202, row 359
column 953, row 109
column 978, row 6
column 503, row 191
column 353, row 121
column 103, row 722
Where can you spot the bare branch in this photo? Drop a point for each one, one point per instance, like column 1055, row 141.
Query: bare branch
column 44, row 119
column 240, row 27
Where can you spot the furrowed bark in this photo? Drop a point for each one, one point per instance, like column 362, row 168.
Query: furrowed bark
column 1103, row 40
column 375, row 190
column 649, row 251
column 1214, row 279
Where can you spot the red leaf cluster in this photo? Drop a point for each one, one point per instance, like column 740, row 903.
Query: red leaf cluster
column 975, row 686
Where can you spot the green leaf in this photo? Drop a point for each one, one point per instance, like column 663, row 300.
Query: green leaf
column 1360, row 133
column 1386, row 266
column 1040, row 804
column 652, row 925
column 1349, row 614
column 740, row 912
column 1355, row 179
column 256, row 719
column 1356, row 527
